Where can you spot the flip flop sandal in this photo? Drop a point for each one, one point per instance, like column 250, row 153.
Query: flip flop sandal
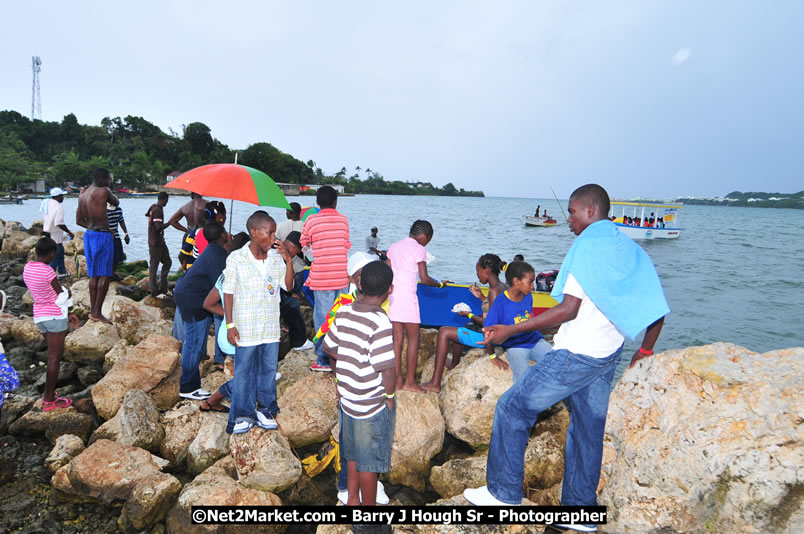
column 58, row 402
column 210, row 408
column 217, row 368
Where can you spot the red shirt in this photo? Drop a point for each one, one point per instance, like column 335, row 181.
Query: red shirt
column 327, row 232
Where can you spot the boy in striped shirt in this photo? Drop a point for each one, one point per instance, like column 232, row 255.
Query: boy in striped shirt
column 360, row 343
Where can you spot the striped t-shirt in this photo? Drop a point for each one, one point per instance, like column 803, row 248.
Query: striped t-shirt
column 38, row 277
column 115, row 217
column 328, row 233
column 361, row 338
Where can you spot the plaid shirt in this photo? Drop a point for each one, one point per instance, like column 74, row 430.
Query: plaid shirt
column 255, row 312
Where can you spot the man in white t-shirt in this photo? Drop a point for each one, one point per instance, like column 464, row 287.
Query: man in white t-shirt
column 602, row 278
column 293, row 224
column 54, row 228
column 373, row 244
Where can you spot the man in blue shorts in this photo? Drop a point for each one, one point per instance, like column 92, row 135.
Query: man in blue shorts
column 98, row 240
column 607, row 289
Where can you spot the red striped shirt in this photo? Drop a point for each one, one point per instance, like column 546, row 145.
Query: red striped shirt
column 328, row 233
column 38, row 276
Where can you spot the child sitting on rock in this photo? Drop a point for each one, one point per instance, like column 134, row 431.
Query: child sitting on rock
column 50, row 306
column 360, row 343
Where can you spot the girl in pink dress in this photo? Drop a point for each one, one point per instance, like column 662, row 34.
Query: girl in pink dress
column 408, row 261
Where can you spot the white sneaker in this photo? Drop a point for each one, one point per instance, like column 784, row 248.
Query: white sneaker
column 263, row 421
column 278, row 376
column 382, row 498
column 482, row 497
column 578, row 527
column 307, row 345
column 198, row 394
column 242, row 427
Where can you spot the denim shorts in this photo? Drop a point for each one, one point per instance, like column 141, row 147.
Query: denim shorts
column 52, row 326
column 367, row 442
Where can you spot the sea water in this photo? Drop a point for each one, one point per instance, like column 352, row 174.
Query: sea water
column 735, row 274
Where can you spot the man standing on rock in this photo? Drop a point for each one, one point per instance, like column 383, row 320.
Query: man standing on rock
column 607, row 289
column 192, row 212
column 157, row 249
column 98, row 241
column 54, row 228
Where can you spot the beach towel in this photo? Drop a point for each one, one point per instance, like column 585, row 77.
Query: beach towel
column 99, row 253
column 617, row 275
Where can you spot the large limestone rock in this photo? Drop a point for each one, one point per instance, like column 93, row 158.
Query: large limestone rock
column 707, row 439
column 91, row 342
column 139, row 421
column 114, row 354
column 135, row 321
column 152, row 366
column 265, row 460
column 418, row 436
column 210, row 443
column 217, row 487
column 309, row 409
column 427, row 348
column 52, row 423
column 454, row 476
column 80, row 291
column 66, row 448
column 181, row 426
column 294, row 367
column 470, row 395
column 150, row 501
column 76, row 270
column 76, row 244
column 25, row 331
column 17, row 244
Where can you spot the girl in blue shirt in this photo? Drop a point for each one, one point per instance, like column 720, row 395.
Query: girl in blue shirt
column 514, row 306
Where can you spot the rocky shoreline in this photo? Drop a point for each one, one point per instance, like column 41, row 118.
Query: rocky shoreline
column 705, row 439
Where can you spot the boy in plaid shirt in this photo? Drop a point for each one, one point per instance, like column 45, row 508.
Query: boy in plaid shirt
column 252, row 280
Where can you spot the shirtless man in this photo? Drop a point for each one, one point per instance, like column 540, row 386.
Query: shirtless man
column 191, row 211
column 98, row 241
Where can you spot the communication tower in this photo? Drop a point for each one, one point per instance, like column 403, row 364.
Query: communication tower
column 36, row 97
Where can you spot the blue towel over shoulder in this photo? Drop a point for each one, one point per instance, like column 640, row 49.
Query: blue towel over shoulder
column 617, row 275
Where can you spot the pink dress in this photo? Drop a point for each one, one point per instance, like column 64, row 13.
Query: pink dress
column 405, row 255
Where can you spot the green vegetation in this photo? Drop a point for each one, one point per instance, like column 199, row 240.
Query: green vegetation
column 752, row 199
column 140, row 154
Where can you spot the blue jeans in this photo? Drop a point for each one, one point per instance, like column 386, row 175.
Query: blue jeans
column 195, row 345
column 520, row 357
column 324, row 300
column 254, row 383
column 367, row 442
column 226, row 389
column 178, row 326
column 58, row 261
column 220, row 357
column 583, row 383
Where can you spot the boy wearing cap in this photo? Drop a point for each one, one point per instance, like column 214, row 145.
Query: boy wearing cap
column 54, row 228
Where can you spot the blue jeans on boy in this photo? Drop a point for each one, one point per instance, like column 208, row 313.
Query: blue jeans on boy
column 254, row 383
column 58, row 261
column 519, row 357
column 220, row 357
column 584, row 383
column 195, row 344
column 324, row 300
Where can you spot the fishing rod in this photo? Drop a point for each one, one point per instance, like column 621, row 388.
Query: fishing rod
column 559, row 205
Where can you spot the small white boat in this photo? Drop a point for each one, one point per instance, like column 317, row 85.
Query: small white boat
column 530, row 220
column 646, row 221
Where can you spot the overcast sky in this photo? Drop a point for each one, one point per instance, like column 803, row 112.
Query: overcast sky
column 652, row 99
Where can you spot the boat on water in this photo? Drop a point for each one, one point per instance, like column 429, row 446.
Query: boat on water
column 11, row 199
column 646, row 221
column 530, row 220
column 435, row 304
column 137, row 194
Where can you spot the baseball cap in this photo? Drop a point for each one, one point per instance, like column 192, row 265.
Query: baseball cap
column 373, row 228
column 295, row 238
column 56, row 191
column 357, row 261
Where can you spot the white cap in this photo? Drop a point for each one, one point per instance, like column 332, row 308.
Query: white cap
column 56, row 191
column 358, row 260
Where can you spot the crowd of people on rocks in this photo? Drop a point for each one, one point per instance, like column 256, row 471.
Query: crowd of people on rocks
column 364, row 307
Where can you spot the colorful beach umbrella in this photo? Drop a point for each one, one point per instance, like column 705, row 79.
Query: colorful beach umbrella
column 306, row 212
column 232, row 181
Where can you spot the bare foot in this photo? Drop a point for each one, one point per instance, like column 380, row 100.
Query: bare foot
column 100, row 318
column 429, row 386
column 399, row 384
column 414, row 387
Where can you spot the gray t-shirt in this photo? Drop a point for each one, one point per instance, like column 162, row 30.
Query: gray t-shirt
column 372, row 242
